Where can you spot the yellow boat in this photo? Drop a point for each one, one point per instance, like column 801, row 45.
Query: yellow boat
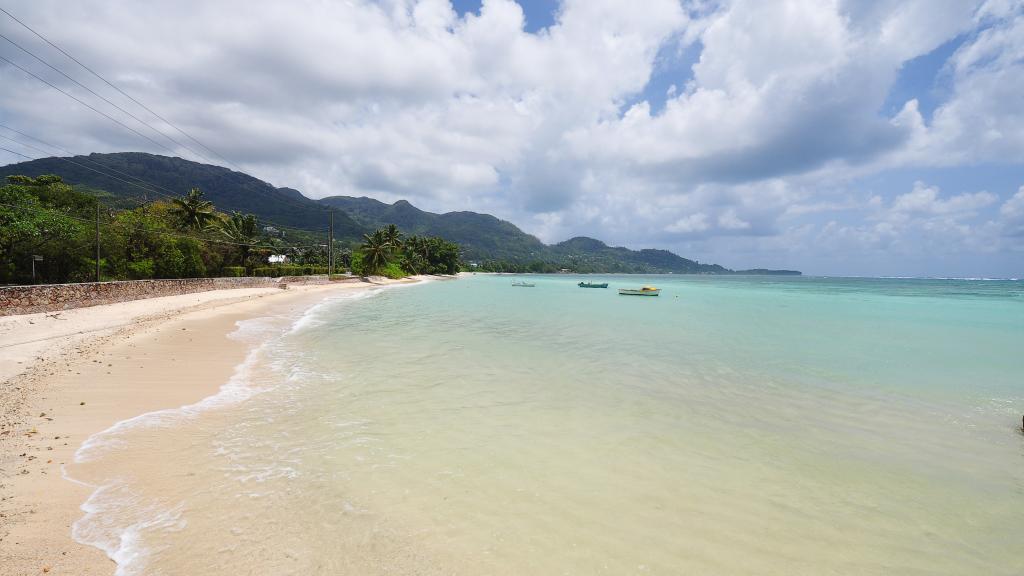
column 645, row 291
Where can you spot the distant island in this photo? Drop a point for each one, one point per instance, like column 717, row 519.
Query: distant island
column 125, row 179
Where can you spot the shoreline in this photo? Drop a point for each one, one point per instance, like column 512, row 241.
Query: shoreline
column 67, row 376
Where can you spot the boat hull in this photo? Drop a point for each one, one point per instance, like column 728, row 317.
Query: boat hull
column 589, row 285
column 628, row 292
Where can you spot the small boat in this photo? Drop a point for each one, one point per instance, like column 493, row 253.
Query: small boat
column 592, row 285
column 645, row 291
column 522, row 284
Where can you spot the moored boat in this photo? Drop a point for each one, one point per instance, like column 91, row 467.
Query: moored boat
column 522, row 284
column 592, row 285
column 645, row 291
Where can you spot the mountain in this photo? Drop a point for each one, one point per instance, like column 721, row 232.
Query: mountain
column 484, row 237
column 136, row 176
column 587, row 254
column 139, row 176
column 481, row 236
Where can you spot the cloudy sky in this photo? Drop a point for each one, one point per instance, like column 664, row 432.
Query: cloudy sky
column 837, row 137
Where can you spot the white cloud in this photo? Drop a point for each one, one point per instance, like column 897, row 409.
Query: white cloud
column 1012, row 215
column 693, row 223
column 730, row 221
column 921, row 220
column 405, row 99
column 983, row 119
column 925, row 199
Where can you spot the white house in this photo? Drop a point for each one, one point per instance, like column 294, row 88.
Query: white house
column 277, row 259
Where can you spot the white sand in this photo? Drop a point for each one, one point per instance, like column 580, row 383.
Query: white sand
column 70, row 374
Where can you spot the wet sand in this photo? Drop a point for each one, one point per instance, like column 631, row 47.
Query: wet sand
column 68, row 375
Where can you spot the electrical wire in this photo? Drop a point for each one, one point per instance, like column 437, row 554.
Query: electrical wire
column 115, row 87
column 16, row 153
column 145, row 186
column 140, row 228
column 100, row 96
column 111, row 118
column 84, row 103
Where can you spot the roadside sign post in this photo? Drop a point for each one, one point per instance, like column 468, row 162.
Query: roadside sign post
column 35, row 258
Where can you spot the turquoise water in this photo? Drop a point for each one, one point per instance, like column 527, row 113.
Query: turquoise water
column 732, row 425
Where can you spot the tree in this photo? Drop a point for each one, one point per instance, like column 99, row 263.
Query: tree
column 135, row 239
column 443, row 256
column 415, row 252
column 37, row 216
column 393, row 237
column 193, row 212
column 242, row 229
column 376, row 251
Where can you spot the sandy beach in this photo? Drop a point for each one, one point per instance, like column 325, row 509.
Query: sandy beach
column 71, row 374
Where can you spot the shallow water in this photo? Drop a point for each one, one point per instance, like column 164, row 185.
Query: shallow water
column 733, row 425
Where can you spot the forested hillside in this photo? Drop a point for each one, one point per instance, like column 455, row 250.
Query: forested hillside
column 129, row 179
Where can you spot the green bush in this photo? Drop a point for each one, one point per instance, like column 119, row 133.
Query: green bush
column 356, row 264
column 275, row 271
column 393, row 270
column 192, row 258
column 234, row 271
column 141, row 269
column 179, row 259
column 169, row 261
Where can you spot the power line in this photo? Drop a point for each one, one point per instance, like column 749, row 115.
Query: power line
column 139, row 203
column 122, row 92
column 100, row 96
column 143, row 204
column 142, row 184
column 146, row 186
column 283, row 199
column 96, row 74
column 68, row 160
column 86, row 104
column 140, row 228
column 16, row 153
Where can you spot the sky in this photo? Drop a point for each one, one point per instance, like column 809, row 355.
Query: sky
column 881, row 138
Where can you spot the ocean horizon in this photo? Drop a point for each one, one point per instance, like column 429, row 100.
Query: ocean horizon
column 731, row 425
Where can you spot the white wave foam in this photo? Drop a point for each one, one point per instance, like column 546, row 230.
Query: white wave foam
column 122, row 542
column 237, row 389
column 314, row 315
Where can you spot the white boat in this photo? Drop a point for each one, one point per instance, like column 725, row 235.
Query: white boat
column 645, row 291
column 522, row 284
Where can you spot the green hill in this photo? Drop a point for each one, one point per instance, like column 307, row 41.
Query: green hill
column 589, row 255
column 483, row 238
column 138, row 176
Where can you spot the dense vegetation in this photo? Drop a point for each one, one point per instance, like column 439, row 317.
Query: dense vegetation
column 387, row 252
column 494, row 245
column 138, row 176
column 490, row 243
column 48, row 233
column 481, row 236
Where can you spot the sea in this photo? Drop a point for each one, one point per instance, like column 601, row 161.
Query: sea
column 732, row 425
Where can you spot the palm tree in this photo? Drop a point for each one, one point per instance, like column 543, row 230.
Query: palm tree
column 242, row 229
column 423, row 247
column 393, row 237
column 376, row 251
column 194, row 212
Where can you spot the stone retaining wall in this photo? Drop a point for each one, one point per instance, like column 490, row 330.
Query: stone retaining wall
column 319, row 279
column 52, row 297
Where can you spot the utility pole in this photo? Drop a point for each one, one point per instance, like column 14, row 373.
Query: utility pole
column 97, row 239
column 330, row 247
